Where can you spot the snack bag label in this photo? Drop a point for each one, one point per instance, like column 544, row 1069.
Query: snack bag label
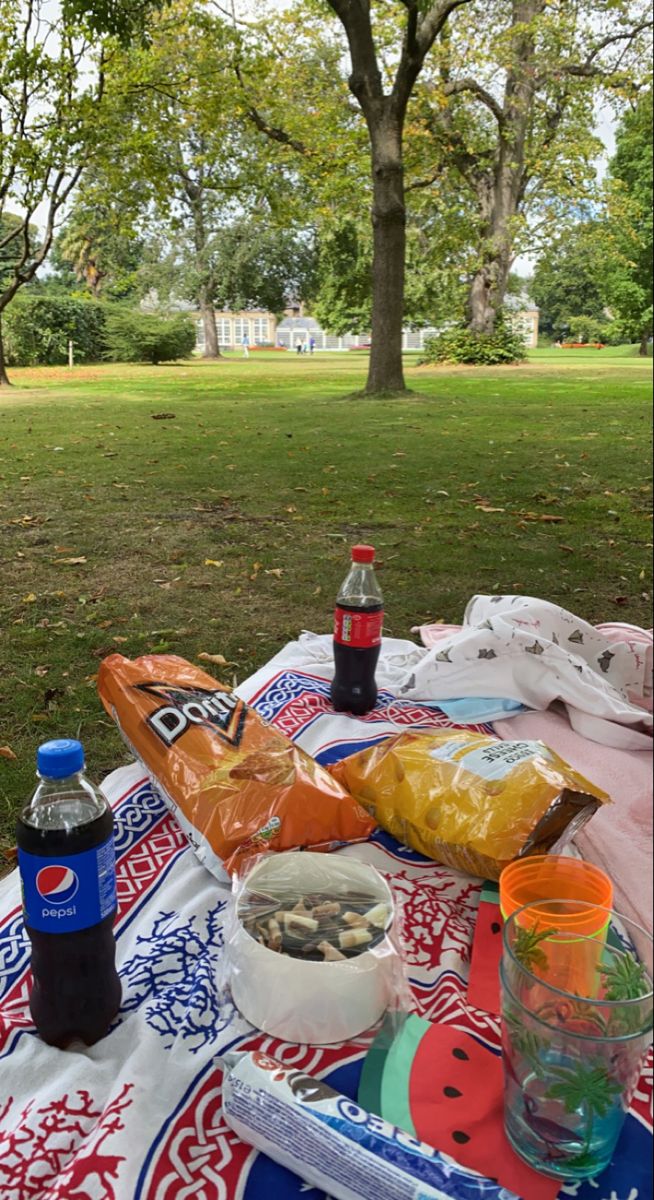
column 494, row 760
column 220, row 711
column 358, row 629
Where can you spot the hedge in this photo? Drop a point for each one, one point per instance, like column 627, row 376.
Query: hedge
column 37, row 329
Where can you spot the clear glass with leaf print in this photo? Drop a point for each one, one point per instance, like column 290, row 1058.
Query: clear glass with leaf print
column 576, row 1026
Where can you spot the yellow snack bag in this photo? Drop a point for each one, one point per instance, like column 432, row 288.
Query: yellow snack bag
column 468, row 800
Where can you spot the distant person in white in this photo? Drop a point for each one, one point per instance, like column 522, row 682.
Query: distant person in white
column 244, row 343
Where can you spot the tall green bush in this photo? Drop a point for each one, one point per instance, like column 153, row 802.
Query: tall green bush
column 459, row 345
column 38, row 327
column 132, row 336
column 582, row 328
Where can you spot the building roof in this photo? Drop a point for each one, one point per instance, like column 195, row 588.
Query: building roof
column 306, row 324
column 521, row 303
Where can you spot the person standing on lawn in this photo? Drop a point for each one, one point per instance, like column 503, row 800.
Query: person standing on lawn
column 245, row 344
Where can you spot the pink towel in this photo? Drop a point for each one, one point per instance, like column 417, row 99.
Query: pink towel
column 619, row 837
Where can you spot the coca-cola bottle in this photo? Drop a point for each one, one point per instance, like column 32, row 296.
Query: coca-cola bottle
column 358, row 620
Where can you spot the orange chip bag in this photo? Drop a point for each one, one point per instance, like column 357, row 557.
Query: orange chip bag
column 236, row 785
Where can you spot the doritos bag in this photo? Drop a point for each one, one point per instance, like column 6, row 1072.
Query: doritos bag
column 236, row 785
column 468, row 800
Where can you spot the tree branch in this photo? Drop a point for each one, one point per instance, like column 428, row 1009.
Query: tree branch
column 587, row 69
column 423, row 183
column 365, row 82
column 271, row 131
column 418, row 41
column 433, row 21
column 470, row 85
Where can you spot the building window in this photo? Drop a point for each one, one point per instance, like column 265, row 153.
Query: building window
column 261, row 334
column 224, row 330
column 241, row 329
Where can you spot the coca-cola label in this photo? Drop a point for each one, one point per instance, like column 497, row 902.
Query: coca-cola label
column 359, row 629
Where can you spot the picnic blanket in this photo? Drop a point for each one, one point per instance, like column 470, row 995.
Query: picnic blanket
column 138, row 1116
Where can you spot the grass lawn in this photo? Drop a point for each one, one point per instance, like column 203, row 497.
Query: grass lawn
column 224, row 526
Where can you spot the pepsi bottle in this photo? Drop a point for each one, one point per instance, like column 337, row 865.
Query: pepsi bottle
column 358, row 620
column 67, row 865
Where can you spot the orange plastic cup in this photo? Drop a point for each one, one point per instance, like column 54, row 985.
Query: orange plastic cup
column 555, row 877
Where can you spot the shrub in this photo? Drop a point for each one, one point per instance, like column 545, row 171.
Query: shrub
column 461, row 345
column 582, row 329
column 37, row 328
column 132, row 336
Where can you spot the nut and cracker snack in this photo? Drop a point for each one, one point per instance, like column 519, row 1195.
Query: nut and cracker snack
column 236, row 785
column 468, row 800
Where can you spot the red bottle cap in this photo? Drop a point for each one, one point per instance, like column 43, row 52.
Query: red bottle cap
column 363, row 554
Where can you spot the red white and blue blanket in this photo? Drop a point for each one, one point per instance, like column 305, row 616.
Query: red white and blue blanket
column 138, row 1116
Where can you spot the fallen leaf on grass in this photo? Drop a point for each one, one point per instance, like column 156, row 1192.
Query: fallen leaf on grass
column 278, row 572
column 29, row 598
column 488, row 508
column 620, row 599
column 41, row 671
column 71, row 562
column 218, row 659
column 214, row 562
column 163, row 416
column 7, row 752
column 546, row 518
column 568, row 549
column 118, row 638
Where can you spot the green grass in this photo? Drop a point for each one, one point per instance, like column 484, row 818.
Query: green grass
column 271, row 470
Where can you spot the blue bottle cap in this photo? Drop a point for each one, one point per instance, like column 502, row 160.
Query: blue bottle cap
column 59, row 758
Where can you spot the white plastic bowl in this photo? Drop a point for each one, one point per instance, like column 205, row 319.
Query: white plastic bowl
column 313, row 1003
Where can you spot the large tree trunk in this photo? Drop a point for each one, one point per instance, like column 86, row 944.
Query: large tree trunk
column 644, row 344
column 500, row 190
column 488, row 289
column 211, row 347
column 4, row 380
column 385, row 372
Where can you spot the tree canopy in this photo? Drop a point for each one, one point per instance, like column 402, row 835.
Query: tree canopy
column 628, row 264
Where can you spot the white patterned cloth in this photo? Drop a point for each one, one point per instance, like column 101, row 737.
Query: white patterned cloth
column 536, row 652
column 521, row 649
column 138, row 1116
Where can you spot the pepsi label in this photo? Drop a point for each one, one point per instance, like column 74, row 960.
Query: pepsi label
column 64, row 895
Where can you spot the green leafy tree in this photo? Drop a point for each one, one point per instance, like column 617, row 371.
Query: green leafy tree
column 247, row 264
column 382, row 85
column 187, row 136
column 51, row 86
column 510, row 109
column 569, row 278
column 628, row 250
column 343, row 299
column 348, row 133
column 493, row 104
column 100, row 247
